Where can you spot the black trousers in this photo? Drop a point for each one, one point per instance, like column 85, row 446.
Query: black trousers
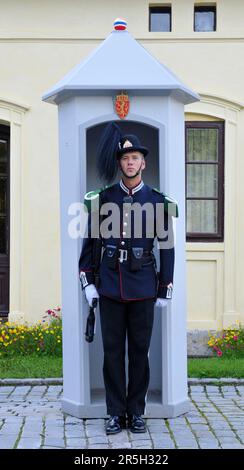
column 118, row 319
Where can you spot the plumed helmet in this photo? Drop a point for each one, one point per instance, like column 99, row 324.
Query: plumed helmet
column 112, row 146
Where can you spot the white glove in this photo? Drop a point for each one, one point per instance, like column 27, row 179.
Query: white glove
column 91, row 293
column 161, row 302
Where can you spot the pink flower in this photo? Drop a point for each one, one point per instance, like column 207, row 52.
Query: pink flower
column 235, row 338
column 219, row 353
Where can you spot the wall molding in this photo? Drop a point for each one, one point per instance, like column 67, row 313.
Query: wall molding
column 11, row 114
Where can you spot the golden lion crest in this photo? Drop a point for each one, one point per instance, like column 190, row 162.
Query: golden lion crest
column 122, row 105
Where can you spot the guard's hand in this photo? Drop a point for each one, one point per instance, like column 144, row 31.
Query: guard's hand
column 91, row 293
column 160, row 302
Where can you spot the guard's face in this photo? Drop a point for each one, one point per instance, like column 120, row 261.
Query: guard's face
column 131, row 163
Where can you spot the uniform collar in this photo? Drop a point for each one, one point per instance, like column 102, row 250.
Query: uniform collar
column 131, row 190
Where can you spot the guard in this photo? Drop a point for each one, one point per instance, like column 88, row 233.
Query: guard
column 132, row 216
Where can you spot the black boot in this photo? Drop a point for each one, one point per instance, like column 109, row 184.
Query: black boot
column 136, row 423
column 115, row 424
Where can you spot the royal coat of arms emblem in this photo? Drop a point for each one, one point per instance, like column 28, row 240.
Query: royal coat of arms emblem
column 122, row 105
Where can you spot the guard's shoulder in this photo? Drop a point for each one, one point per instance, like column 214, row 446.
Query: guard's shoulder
column 171, row 205
column 94, row 196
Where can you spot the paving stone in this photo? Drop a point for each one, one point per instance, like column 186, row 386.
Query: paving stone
column 52, row 441
column 190, row 446
column 95, row 432
column 197, row 388
column 42, row 402
column 232, row 446
column 29, row 443
column 30, row 435
column 73, row 420
column 125, row 445
column 94, row 422
column 50, row 447
column 160, row 443
column 6, row 389
column 141, row 444
column 98, row 446
column 74, row 442
column 98, row 440
column 209, row 445
column 138, row 436
column 75, row 434
column 222, row 433
column 7, row 443
column 21, row 390
column 120, row 438
column 167, row 445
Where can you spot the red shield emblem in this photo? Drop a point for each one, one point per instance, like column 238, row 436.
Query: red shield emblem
column 122, row 105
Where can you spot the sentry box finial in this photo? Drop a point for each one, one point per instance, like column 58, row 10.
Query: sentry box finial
column 120, row 24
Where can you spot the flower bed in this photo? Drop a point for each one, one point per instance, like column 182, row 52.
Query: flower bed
column 42, row 338
column 228, row 342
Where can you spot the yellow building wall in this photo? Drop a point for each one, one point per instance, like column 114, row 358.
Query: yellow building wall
column 39, row 43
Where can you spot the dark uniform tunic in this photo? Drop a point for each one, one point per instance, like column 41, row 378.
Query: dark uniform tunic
column 129, row 285
column 122, row 283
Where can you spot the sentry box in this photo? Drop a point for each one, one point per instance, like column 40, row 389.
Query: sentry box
column 123, row 82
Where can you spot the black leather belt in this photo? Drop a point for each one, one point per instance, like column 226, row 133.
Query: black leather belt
column 123, row 255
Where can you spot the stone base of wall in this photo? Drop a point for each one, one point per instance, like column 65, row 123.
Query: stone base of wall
column 197, row 343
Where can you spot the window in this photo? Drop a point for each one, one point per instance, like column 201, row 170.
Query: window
column 4, row 218
column 204, row 181
column 160, row 18
column 204, row 18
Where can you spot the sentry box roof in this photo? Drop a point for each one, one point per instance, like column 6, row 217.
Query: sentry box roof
column 120, row 63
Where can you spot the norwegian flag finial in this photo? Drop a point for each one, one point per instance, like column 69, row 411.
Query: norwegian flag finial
column 120, row 24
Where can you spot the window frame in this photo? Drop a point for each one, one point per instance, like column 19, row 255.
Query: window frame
column 205, row 8
column 160, row 8
column 198, row 236
column 4, row 257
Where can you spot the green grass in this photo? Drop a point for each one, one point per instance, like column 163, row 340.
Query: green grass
column 36, row 366
column 216, row 367
column 19, row 367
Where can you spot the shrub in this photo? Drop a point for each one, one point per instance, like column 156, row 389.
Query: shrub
column 42, row 338
column 228, row 342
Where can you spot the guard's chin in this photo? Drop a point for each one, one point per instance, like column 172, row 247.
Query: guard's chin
column 129, row 175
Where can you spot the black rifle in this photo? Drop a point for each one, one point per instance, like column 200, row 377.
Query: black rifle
column 90, row 322
column 96, row 260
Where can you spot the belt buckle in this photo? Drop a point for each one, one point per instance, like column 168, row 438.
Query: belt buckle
column 122, row 255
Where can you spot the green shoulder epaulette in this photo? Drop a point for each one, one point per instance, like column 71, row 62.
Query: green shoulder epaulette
column 91, row 195
column 171, row 205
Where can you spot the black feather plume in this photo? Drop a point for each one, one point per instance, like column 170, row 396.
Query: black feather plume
column 107, row 164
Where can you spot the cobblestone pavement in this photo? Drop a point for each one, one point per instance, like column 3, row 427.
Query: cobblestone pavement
column 31, row 418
